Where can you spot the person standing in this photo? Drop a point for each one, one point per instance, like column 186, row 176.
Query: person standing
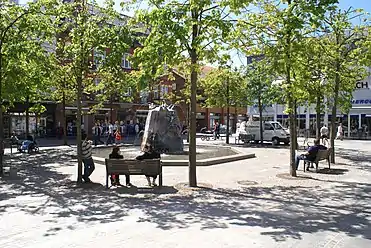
column 87, row 159
column 97, row 133
column 216, row 130
column 110, row 137
column 340, row 132
column 137, row 129
column 324, row 133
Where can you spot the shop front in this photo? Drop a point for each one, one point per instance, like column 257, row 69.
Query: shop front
column 40, row 125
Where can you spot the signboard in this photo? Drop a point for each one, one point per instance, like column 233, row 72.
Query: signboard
column 362, row 85
column 361, row 101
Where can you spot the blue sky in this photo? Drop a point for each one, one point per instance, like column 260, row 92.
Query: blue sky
column 357, row 4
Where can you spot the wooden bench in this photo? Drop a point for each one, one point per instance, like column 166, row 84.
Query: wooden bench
column 150, row 167
column 321, row 155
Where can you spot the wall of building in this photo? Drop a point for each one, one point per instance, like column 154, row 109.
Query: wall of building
column 358, row 117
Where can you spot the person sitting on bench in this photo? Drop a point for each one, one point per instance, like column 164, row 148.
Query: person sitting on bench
column 115, row 179
column 311, row 153
column 149, row 153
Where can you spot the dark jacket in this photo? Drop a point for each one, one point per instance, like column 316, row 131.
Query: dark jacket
column 115, row 156
column 313, row 150
column 148, row 155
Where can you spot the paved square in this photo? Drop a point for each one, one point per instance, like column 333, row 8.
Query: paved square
column 43, row 208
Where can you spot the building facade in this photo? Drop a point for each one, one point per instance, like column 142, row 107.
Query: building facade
column 357, row 120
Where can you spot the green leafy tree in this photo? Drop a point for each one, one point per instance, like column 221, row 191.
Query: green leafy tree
column 191, row 28
column 277, row 30
column 24, row 33
column 311, row 65
column 89, row 29
column 259, row 77
column 343, row 48
column 224, row 87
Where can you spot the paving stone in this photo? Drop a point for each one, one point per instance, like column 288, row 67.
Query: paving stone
column 42, row 208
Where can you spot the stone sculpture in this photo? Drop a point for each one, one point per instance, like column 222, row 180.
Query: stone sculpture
column 163, row 130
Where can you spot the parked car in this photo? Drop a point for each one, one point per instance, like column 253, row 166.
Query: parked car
column 272, row 131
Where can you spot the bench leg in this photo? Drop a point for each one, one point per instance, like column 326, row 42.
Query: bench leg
column 106, row 180
column 316, row 167
column 160, row 180
column 329, row 163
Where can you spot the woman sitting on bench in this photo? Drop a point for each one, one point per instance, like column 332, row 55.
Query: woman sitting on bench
column 311, row 153
column 115, row 180
column 149, row 153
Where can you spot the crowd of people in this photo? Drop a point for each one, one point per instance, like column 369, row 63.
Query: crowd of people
column 114, row 132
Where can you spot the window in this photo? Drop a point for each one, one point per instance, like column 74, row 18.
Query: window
column 164, row 90
column 125, row 61
column 99, row 57
column 268, row 126
column 96, row 82
column 128, row 92
column 155, row 93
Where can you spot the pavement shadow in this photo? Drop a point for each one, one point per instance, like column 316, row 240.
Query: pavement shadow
column 332, row 171
column 355, row 158
column 284, row 212
column 265, row 145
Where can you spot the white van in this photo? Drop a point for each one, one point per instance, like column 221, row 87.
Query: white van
column 272, row 131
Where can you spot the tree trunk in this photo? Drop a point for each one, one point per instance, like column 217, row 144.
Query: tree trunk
column 296, row 145
column 111, row 111
column 192, row 122
column 227, row 131
column 290, row 100
column 235, row 118
column 333, row 112
column 1, row 113
column 261, row 119
column 27, row 116
column 318, row 116
column 78, row 129
column 64, row 125
column 188, row 121
column 292, row 138
column 36, row 125
column 192, row 128
column 1, row 134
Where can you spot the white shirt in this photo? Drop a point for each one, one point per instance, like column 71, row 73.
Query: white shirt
column 110, row 129
column 324, row 130
column 340, row 129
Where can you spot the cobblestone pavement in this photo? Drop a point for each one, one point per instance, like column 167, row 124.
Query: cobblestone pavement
column 247, row 205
